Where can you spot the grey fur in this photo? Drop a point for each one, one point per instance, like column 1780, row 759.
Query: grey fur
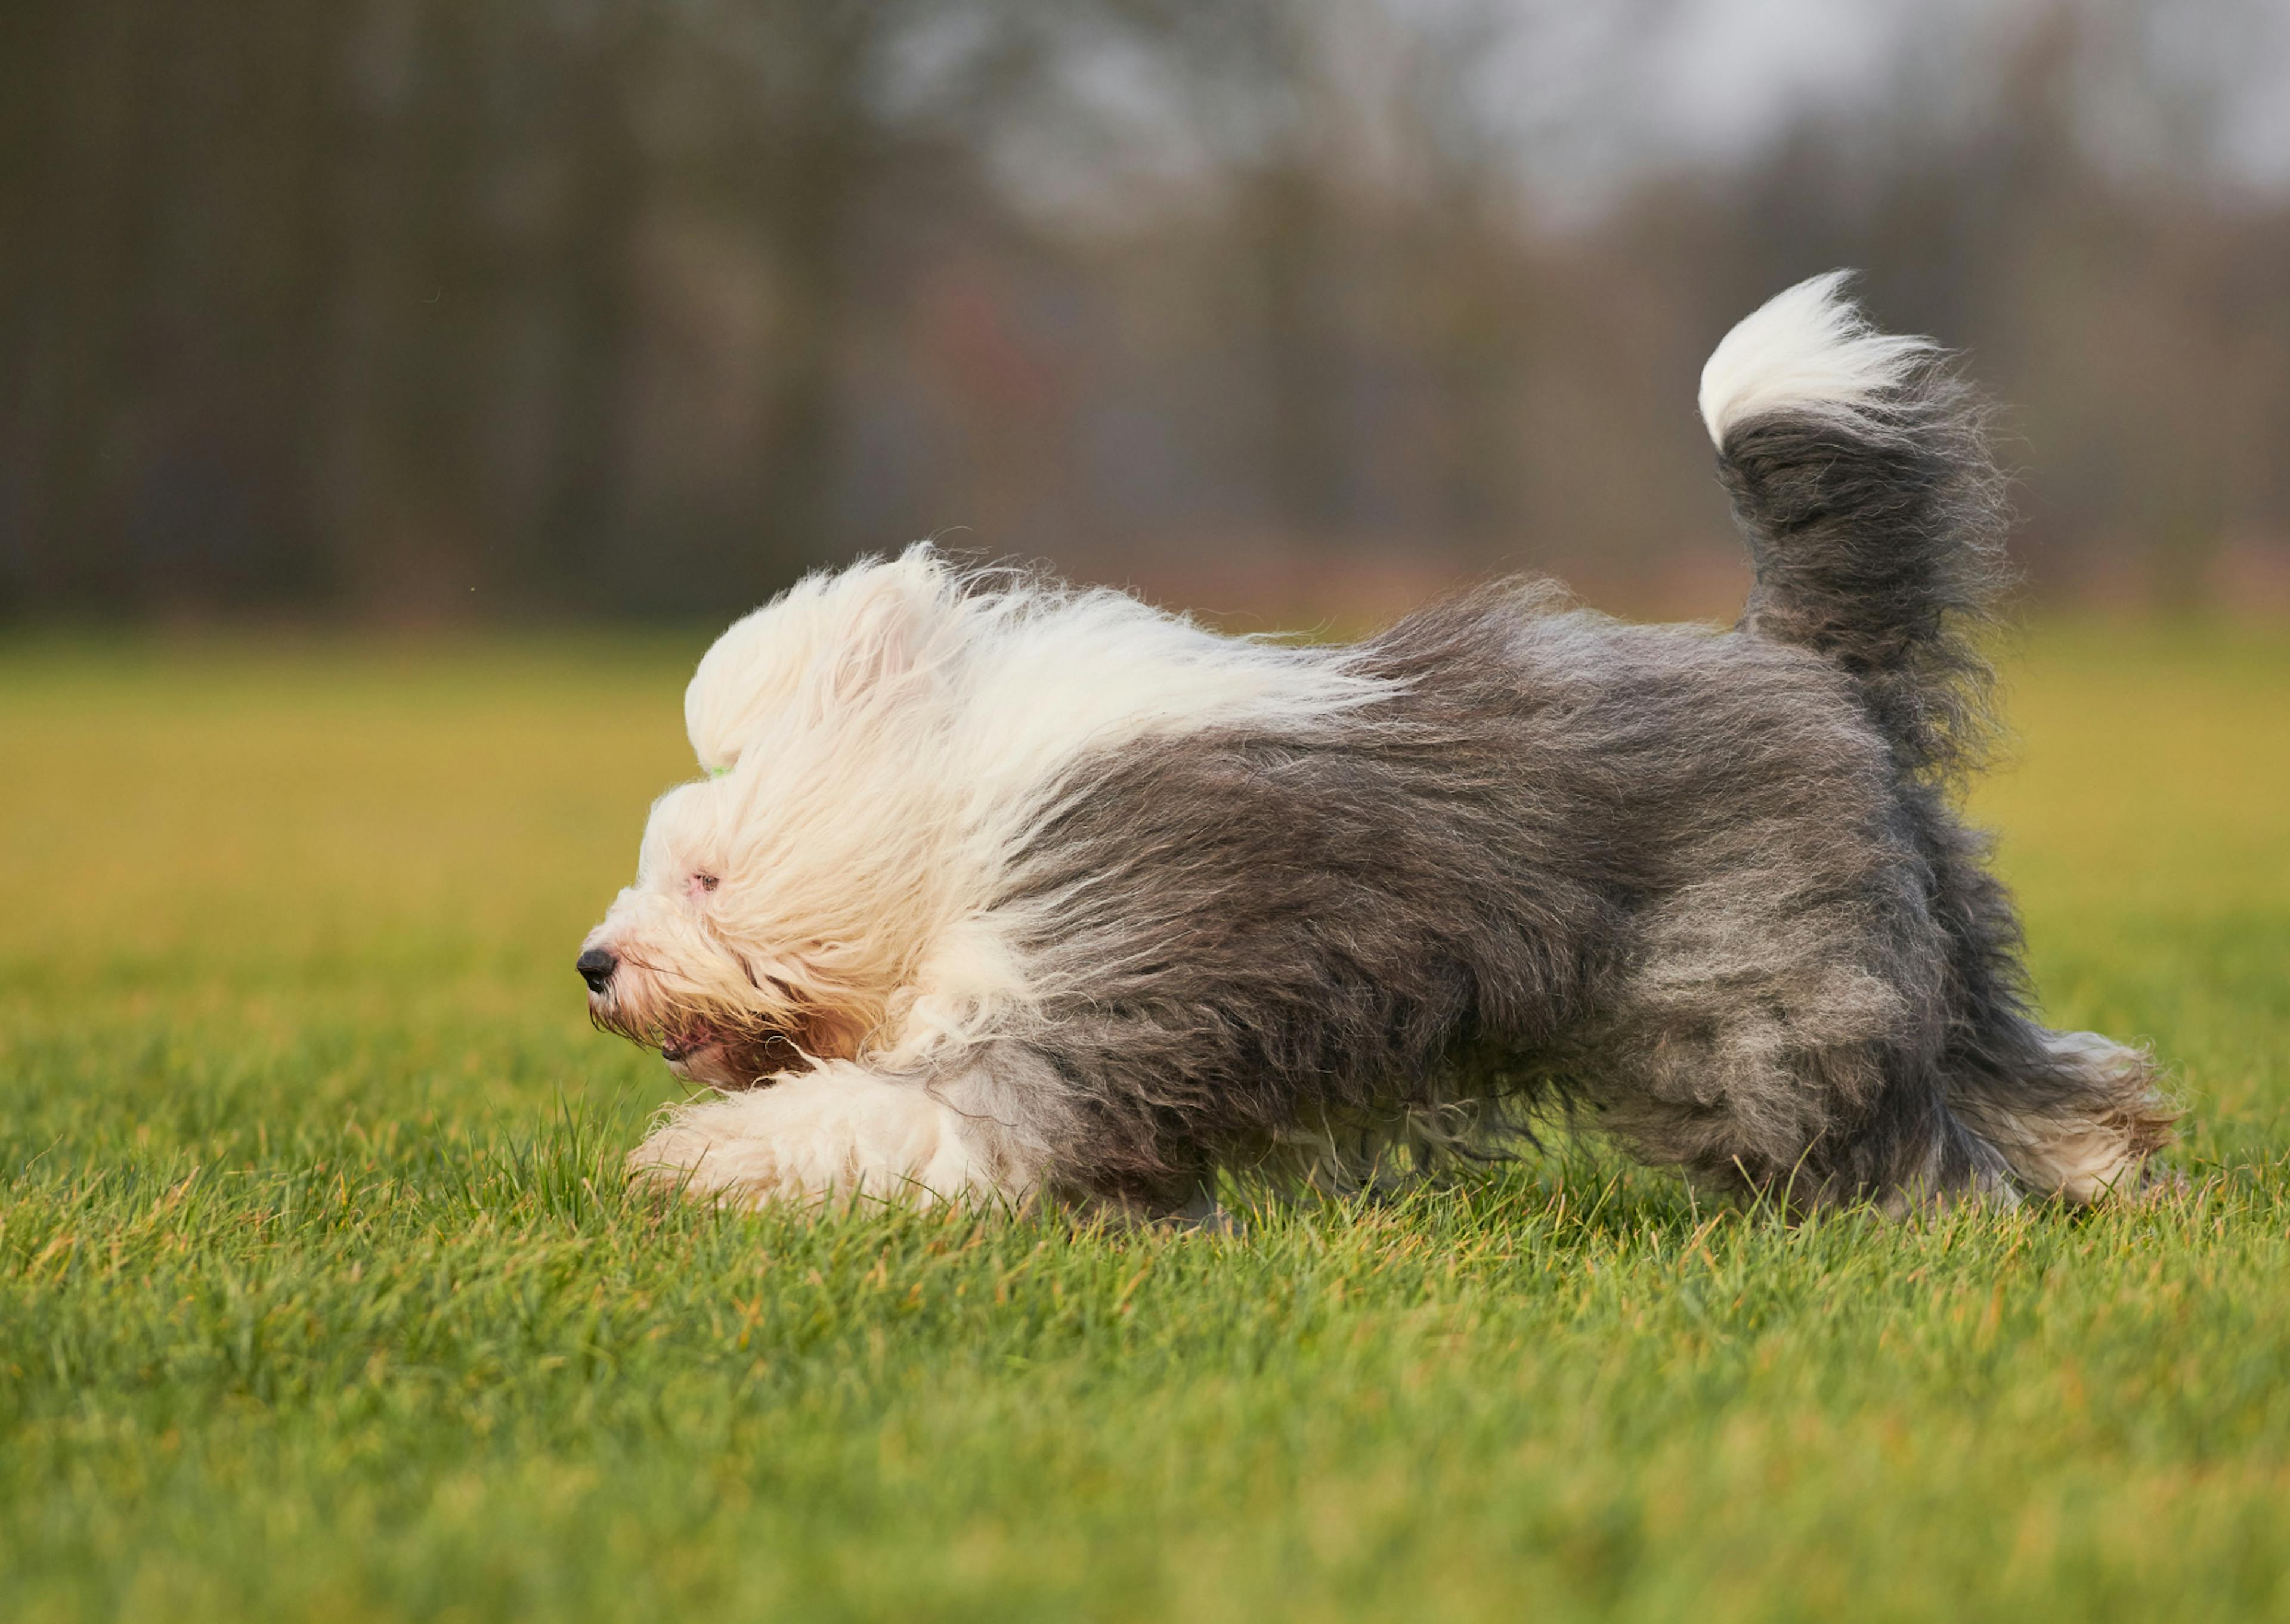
column 1705, row 889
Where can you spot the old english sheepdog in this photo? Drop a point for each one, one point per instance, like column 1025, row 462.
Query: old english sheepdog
column 994, row 887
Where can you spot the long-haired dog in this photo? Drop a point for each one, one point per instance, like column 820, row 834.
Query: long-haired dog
column 994, row 886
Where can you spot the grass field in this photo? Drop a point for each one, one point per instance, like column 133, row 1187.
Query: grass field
column 318, row 1298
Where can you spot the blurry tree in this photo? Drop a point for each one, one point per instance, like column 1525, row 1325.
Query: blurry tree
column 512, row 306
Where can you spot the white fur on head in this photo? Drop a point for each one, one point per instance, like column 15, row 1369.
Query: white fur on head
column 882, row 743
column 827, row 640
column 1808, row 349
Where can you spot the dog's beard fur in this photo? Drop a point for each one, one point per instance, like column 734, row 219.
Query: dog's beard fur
column 719, row 1044
column 716, row 1016
column 1074, row 893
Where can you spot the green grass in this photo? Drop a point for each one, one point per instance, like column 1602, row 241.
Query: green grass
column 318, row 1297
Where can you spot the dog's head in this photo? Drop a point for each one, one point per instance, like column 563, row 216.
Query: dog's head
column 781, row 902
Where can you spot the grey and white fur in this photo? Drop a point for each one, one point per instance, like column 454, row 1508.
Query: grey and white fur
column 997, row 887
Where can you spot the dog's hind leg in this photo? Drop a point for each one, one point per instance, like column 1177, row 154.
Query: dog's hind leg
column 2074, row 1115
column 1802, row 1128
column 1901, row 1151
column 2076, row 1120
column 2082, row 1122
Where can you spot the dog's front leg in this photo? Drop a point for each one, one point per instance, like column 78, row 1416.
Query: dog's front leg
column 839, row 1129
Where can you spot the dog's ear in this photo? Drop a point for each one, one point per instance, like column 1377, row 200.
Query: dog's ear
column 827, row 642
column 730, row 689
column 892, row 612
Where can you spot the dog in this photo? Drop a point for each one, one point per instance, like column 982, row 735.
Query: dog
column 995, row 888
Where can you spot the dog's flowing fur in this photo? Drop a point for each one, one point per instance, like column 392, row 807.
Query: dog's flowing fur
column 1000, row 887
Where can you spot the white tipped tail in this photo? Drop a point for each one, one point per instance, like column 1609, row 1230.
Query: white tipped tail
column 1806, row 349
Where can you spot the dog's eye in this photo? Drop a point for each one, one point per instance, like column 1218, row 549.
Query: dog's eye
column 703, row 881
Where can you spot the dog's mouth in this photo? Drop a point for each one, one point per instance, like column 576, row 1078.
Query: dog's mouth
column 729, row 1060
column 729, row 1051
column 704, row 1055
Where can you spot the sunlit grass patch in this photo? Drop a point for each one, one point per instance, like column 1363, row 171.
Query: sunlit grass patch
column 320, row 1296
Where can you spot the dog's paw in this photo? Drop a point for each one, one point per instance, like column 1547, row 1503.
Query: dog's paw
column 691, row 1154
column 835, row 1131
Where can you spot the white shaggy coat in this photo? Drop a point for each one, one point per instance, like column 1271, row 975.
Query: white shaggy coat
column 878, row 744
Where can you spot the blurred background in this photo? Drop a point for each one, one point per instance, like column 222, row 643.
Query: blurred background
column 407, row 311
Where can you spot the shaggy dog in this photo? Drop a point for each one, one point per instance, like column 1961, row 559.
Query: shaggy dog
column 999, row 887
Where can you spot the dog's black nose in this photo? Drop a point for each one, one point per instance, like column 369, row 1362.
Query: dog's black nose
column 595, row 967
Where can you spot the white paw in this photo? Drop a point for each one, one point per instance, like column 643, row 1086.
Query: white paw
column 837, row 1130
column 688, row 1155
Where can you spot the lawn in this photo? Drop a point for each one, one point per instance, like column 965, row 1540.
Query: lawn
column 319, row 1299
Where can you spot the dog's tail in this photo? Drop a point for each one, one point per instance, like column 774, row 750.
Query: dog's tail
column 1859, row 466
